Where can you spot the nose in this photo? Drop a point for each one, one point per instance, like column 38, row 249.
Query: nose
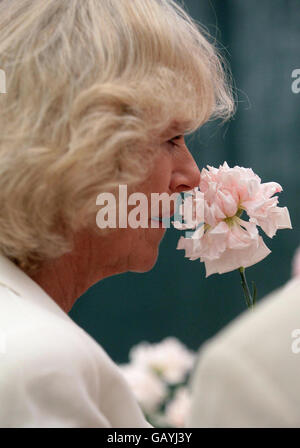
column 186, row 174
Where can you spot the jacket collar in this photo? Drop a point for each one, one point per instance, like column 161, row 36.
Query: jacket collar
column 20, row 284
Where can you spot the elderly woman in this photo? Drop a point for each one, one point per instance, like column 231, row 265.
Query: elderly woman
column 99, row 93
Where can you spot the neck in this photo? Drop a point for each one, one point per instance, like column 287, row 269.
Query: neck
column 65, row 279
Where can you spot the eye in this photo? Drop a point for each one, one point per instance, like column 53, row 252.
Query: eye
column 177, row 139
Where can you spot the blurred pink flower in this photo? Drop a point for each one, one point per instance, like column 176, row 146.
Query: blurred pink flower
column 147, row 387
column 296, row 264
column 170, row 359
column 226, row 242
column 178, row 409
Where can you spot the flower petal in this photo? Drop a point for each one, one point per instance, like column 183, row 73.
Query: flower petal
column 233, row 259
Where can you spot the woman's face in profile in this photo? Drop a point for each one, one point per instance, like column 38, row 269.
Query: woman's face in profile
column 97, row 255
column 174, row 170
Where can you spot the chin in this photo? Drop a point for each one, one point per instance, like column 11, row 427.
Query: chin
column 143, row 263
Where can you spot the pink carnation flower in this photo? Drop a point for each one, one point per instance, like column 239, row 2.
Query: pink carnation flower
column 226, row 242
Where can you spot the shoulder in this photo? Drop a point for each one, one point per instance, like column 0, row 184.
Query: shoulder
column 54, row 374
column 40, row 347
column 36, row 344
column 269, row 327
column 272, row 318
column 33, row 338
column 248, row 373
column 264, row 335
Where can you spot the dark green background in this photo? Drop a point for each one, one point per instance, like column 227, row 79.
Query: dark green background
column 261, row 40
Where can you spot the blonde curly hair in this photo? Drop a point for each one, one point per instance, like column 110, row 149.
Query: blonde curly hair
column 90, row 87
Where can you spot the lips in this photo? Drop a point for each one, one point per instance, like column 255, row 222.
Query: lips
column 163, row 220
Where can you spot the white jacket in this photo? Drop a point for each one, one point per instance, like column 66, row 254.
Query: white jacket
column 52, row 373
column 249, row 374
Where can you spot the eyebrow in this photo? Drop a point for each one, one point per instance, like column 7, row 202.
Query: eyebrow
column 177, row 128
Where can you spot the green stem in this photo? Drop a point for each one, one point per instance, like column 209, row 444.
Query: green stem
column 250, row 301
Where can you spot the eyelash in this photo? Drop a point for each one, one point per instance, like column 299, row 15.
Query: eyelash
column 178, row 137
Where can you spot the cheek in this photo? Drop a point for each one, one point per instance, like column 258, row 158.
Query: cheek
column 161, row 175
column 160, row 172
